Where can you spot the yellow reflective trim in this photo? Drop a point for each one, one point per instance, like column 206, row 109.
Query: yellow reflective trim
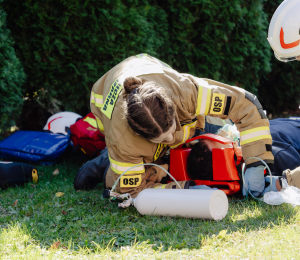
column 158, row 151
column 161, row 186
column 129, row 172
column 254, row 130
column 200, row 91
column 130, row 181
column 91, row 121
column 124, row 164
column 99, row 123
column 224, row 122
column 186, row 133
column 98, row 104
column 92, row 98
column 250, row 140
column 97, row 99
column 98, row 96
column 255, row 134
column 207, row 101
column 120, row 167
column 203, row 100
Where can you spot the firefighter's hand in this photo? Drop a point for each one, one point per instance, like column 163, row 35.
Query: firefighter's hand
column 254, row 180
column 276, row 186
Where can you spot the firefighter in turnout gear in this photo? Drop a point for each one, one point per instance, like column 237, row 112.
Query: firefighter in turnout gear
column 144, row 107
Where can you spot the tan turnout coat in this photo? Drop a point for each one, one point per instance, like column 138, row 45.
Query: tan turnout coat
column 194, row 98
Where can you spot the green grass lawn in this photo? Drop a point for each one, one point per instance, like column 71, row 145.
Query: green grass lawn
column 88, row 226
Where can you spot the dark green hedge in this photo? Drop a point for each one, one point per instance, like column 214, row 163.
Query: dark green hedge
column 222, row 40
column 12, row 77
column 65, row 46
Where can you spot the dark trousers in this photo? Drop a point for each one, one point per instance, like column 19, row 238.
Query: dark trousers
column 92, row 172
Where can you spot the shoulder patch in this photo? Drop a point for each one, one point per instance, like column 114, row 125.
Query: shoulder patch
column 130, row 181
column 218, row 101
column 111, row 98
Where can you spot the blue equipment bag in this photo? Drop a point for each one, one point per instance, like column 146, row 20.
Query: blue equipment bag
column 35, row 147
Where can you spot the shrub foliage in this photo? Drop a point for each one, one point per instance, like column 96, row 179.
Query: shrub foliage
column 66, row 45
column 12, row 77
column 222, row 40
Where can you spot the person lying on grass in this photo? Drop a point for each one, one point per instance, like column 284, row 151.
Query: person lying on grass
column 285, row 148
column 200, row 165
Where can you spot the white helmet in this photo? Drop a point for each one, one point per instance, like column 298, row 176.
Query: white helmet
column 60, row 122
column 284, row 31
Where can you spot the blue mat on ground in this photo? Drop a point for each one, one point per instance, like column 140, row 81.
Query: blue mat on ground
column 35, row 147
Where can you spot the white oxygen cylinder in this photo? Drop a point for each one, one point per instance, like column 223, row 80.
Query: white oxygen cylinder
column 189, row 203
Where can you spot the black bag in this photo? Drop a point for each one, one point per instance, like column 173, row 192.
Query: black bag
column 14, row 173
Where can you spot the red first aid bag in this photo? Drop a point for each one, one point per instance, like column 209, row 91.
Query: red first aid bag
column 86, row 137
